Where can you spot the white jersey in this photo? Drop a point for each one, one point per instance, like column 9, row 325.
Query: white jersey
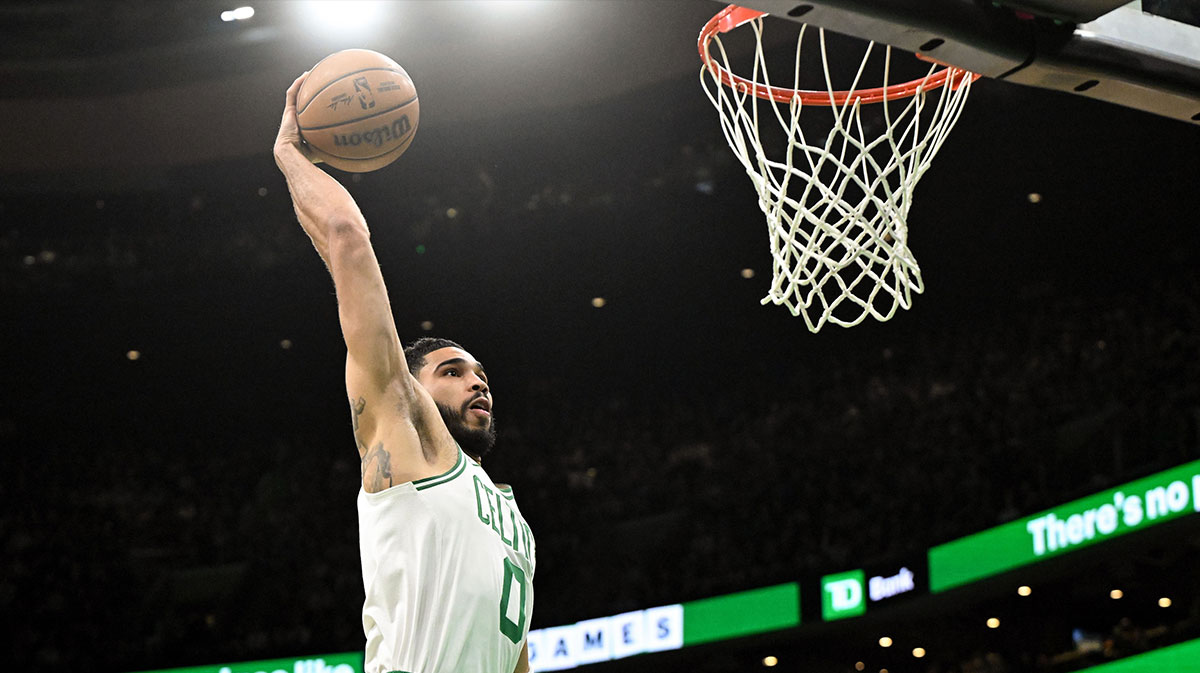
column 448, row 567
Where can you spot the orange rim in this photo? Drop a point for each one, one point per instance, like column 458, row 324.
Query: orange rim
column 733, row 16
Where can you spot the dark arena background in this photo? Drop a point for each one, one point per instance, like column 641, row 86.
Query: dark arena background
column 1002, row 479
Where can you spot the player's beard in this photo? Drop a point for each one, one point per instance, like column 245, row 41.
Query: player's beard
column 475, row 442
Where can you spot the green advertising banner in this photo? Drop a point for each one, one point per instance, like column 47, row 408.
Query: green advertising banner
column 1179, row 658
column 1140, row 504
column 346, row 662
column 741, row 614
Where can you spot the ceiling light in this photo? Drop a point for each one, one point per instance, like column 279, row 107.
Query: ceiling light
column 335, row 17
column 239, row 14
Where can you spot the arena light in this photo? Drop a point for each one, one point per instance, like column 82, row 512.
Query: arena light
column 1164, row 602
column 993, row 623
column 239, row 14
column 341, row 17
column 1024, row 590
column 1116, row 594
column 885, row 642
column 511, row 5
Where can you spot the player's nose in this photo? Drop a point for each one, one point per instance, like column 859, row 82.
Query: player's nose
column 479, row 385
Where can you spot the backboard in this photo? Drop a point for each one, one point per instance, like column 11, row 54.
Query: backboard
column 1143, row 54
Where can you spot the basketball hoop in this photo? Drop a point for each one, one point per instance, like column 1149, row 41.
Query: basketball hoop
column 840, row 245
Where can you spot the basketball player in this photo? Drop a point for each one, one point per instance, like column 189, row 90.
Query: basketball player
column 447, row 559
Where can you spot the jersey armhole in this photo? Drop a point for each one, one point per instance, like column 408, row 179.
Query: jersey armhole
column 417, row 485
column 460, row 466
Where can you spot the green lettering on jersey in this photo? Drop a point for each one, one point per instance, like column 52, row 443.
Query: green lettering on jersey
column 515, row 631
column 501, row 506
column 528, row 539
column 516, row 541
column 491, row 507
column 479, row 501
column 516, row 534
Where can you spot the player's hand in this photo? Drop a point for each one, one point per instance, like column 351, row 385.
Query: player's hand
column 289, row 128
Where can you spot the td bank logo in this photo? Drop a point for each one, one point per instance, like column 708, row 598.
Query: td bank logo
column 842, row 595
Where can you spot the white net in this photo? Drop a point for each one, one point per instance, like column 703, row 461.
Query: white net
column 837, row 196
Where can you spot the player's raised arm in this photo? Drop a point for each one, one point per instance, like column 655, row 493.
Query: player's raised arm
column 377, row 378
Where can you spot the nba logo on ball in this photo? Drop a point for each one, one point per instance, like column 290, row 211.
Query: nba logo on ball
column 358, row 110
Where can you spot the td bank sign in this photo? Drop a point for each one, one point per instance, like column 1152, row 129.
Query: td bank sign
column 846, row 594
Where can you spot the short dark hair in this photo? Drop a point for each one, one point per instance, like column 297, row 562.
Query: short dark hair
column 417, row 350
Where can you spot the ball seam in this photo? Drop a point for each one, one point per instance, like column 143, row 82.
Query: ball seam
column 344, row 76
column 360, row 119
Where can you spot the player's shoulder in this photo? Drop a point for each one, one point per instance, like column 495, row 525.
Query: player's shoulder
column 460, row 467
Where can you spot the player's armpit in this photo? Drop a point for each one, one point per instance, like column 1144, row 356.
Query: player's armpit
column 391, row 448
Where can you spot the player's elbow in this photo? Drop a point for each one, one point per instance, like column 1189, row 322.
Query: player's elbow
column 349, row 243
column 348, row 229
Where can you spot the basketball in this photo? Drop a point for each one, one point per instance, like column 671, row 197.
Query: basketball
column 358, row 110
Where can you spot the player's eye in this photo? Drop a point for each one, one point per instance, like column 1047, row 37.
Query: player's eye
column 451, row 371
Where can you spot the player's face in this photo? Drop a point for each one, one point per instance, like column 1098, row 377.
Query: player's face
column 459, row 386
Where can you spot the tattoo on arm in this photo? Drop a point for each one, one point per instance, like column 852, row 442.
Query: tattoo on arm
column 356, row 409
column 376, row 463
column 376, row 469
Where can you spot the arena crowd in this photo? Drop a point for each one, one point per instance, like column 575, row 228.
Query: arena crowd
column 202, row 509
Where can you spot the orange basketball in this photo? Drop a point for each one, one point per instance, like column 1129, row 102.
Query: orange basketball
column 358, row 110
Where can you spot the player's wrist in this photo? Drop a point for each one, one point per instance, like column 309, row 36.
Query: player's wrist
column 290, row 153
column 285, row 147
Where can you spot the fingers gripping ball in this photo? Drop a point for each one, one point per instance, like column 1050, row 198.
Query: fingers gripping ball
column 357, row 110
